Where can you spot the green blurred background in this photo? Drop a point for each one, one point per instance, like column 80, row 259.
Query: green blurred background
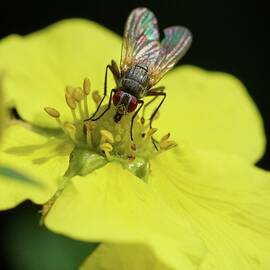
column 28, row 246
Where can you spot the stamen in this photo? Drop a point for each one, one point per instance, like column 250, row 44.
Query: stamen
column 113, row 139
column 71, row 130
column 165, row 137
column 77, row 94
column 55, row 114
column 86, row 91
column 71, row 104
column 69, row 90
column 88, row 133
column 52, row 112
column 86, row 86
column 96, row 97
column 132, row 154
column 148, row 123
column 166, row 145
column 106, row 148
column 149, row 135
column 133, row 147
column 106, row 136
column 131, row 158
column 151, row 132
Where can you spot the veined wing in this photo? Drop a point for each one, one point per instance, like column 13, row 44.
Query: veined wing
column 173, row 47
column 141, row 39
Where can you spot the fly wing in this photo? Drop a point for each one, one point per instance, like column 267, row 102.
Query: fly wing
column 173, row 47
column 141, row 39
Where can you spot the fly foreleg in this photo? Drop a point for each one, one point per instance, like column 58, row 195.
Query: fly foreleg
column 155, row 90
column 141, row 102
column 115, row 71
column 156, row 94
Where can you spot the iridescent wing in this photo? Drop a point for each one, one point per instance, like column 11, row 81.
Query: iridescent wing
column 175, row 44
column 141, row 39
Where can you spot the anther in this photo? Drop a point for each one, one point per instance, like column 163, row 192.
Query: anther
column 106, row 136
column 55, row 114
column 71, row 104
column 131, row 158
column 77, row 95
column 70, row 101
column 86, row 86
column 165, row 138
column 69, row 90
column 52, row 112
column 166, row 145
column 133, row 147
column 106, row 147
column 151, row 132
column 96, row 97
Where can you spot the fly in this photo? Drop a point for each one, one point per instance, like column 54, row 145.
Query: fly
column 144, row 61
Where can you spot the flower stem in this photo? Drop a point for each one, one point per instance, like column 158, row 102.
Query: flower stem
column 49, row 204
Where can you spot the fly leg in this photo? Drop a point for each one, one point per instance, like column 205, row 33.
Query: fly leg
column 156, row 90
column 116, row 74
column 156, row 94
column 108, row 107
column 115, row 71
column 133, row 118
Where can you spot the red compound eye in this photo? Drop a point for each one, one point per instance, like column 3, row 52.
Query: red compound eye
column 117, row 96
column 132, row 104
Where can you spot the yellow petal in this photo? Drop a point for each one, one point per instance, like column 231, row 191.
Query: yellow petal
column 7, row 171
column 111, row 205
column 212, row 110
column 116, row 256
column 227, row 201
column 40, row 65
column 41, row 158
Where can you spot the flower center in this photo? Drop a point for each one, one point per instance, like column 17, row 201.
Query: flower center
column 107, row 138
column 104, row 140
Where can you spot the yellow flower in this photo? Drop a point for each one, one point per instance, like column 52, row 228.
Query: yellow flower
column 201, row 205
